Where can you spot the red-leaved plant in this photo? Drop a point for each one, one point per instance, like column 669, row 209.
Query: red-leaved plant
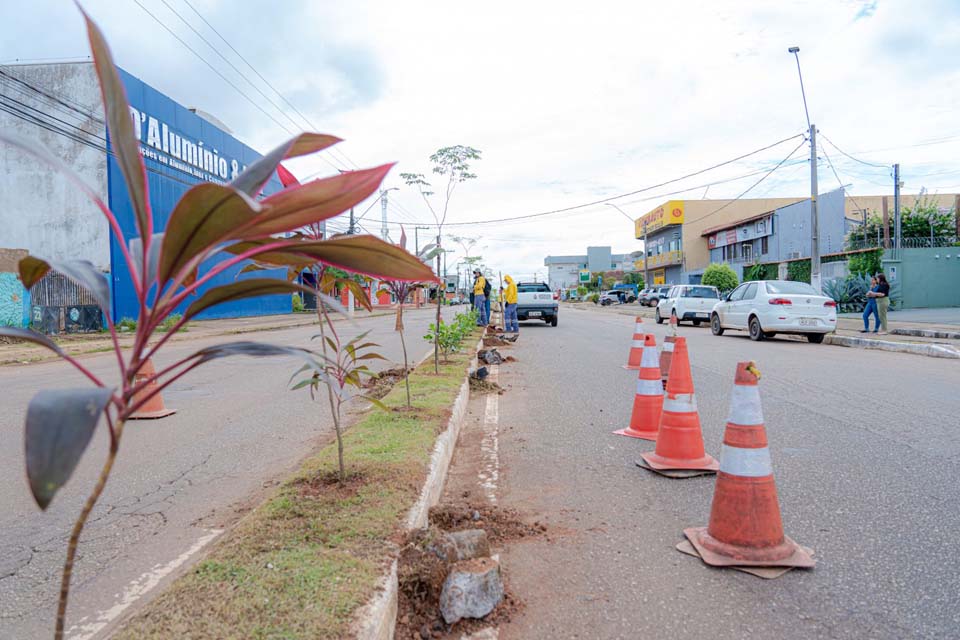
column 210, row 219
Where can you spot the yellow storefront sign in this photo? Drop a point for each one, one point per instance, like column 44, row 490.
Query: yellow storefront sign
column 660, row 276
column 671, row 212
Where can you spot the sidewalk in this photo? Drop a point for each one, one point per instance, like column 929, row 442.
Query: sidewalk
column 930, row 332
column 82, row 343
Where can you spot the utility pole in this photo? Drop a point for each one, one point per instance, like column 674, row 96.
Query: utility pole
column 646, row 276
column 864, row 228
column 351, row 229
column 416, row 239
column 383, row 214
column 896, row 210
column 814, row 227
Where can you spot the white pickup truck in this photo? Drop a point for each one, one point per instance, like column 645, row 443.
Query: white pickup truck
column 692, row 302
column 535, row 301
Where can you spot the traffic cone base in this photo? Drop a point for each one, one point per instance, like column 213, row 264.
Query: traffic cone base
column 675, row 473
column 154, row 407
column 767, row 573
column 681, row 419
column 718, row 554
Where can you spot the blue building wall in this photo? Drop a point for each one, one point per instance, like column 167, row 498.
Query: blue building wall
column 172, row 138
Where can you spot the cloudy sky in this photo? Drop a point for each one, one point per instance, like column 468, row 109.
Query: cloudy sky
column 569, row 102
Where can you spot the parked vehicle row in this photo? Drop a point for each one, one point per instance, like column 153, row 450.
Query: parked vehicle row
column 763, row 308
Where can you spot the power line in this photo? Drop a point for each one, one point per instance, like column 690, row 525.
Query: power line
column 869, row 164
column 267, row 82
column 624, row 195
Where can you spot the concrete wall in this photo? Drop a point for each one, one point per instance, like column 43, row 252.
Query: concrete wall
column 39, row 210
column 927, row 277
column 791, row 228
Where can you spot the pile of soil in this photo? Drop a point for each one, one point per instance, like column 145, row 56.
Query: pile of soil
column 501, row 524
column 380, row 385
column 494, row 341
column 421, row 574
column 485, row 386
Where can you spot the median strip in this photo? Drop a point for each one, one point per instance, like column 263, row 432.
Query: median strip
column 305, row 562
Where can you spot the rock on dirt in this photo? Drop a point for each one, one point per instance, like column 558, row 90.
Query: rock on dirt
column 472, row 590
column 470, row 544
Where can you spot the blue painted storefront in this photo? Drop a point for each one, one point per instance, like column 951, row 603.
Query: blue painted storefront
column 180, row 149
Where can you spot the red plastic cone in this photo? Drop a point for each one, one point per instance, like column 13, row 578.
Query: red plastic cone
column 648, row 401
column 636, row 346
column 680, row 440
column 745, row 527
column 154, row 407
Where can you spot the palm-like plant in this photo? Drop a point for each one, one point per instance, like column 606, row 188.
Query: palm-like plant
column 168, row 269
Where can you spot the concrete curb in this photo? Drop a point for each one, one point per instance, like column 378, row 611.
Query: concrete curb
column 377, row 620
column 930, row 350
column 927, row 333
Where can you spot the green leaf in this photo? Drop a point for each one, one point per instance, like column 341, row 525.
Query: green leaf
column 123, row 142
column 360, row 254
column 297, row 207
column 251, row 181
column 205, row 216
column 82, row 272
column 60, row 423
column 31, row 336
column 241, row 289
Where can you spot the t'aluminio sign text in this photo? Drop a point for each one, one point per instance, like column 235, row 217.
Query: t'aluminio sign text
column 179, row 152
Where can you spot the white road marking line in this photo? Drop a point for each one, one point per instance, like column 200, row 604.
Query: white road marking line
column 489, row 473
column 137, row 589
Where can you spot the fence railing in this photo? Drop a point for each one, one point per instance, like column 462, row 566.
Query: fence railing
column 919, row 242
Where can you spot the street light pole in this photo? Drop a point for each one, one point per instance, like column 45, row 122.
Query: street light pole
column 646, row 277
column 815, row 279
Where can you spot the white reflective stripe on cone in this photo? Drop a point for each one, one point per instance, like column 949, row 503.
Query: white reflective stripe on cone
column 745, row 407
column 649, row 387
column 748, row 463
column 683, row 403
column 668, row 346
column 649, row 360
column 638, row 344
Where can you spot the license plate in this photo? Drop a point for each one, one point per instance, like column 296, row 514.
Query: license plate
column 535, row 314
column 703, row 315
column 808, row 322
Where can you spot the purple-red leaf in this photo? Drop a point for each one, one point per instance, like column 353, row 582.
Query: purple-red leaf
column 31, row 336
column 297, row 207
column 251, row 181
column 123, row 142
column 241, row 289
column 205, row 216
column 60, row 423
column 360, row 254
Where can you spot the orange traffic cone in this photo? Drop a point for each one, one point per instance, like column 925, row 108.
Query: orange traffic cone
column 154, row 407
column 745, row 527
column 679, row 451
column 636, row 347
column 666, row 357
column 648, row 401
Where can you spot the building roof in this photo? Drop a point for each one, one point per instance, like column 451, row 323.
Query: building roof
column 731, row 225
column 564, row 259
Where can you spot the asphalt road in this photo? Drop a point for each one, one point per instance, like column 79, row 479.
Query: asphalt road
column 866, row 455
column 177, row 481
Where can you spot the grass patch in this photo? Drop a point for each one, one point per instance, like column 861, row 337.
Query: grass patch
column 303, row 562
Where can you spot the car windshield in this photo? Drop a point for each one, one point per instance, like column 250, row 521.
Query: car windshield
column 532, row 287
column 800, row 288
column 700, row 292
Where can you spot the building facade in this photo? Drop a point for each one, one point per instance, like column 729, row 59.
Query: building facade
column 44, row 213
column 563, row 272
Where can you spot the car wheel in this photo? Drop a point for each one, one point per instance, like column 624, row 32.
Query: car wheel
column 815, row 338
column 715, row 327
column 769, row 334
column 756, row 332
column 553, row 322
column 657, row 317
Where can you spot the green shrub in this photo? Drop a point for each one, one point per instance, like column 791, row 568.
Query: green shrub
column 170, row 322
column 127, row 324
column 297, row 303
column 450, row 335
column 866, row 263
column 721, row 276
column 799, row 271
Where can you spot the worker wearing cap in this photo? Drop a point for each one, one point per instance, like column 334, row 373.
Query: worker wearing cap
column 510, row 323
column 479, row 299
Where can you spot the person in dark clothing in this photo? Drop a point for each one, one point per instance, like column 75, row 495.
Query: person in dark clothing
column 883, row 300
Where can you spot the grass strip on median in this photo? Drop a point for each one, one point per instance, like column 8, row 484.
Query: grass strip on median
column 303, row 562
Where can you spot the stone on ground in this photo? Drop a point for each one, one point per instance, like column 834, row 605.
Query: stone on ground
column 472, row 589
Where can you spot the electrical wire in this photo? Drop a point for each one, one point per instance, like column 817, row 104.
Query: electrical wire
column 869, row 164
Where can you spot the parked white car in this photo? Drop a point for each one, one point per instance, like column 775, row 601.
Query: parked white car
column 689, row 302
column 768, row 307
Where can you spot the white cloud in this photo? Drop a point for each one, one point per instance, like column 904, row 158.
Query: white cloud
column 569, row 102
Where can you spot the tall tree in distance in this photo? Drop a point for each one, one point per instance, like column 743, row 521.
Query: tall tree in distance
column 453, row 164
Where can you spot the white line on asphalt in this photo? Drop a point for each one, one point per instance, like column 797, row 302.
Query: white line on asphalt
column 137, row 589
column 489, row 473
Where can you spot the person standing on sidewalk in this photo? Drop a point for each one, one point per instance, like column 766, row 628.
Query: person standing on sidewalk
column 510, row 322
column 479, row 299
column 871, row 308
column 883, row 301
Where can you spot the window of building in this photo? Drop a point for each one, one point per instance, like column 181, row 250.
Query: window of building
column 746, row 250
column 760, row 226
column 764, row 245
